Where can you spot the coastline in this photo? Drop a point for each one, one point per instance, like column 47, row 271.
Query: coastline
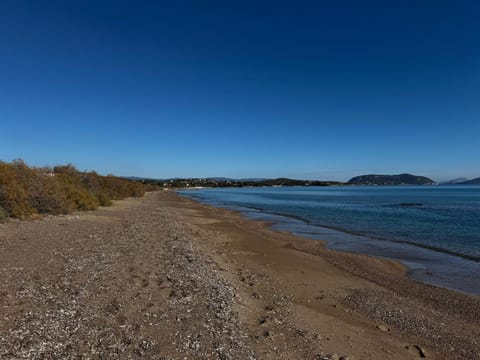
column 428, row 264
column 167, row 276
column 379, row 289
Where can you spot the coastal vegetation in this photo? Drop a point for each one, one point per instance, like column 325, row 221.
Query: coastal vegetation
column 27, row 191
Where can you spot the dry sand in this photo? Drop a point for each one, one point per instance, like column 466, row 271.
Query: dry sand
column 164, row 277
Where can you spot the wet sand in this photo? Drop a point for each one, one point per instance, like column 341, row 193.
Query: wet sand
column 165, row 277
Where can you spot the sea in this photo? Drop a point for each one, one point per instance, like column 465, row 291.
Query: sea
column 433, row 230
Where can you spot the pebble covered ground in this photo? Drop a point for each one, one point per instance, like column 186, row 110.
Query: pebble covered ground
column 132, row 288
column 139, row 281
column 128, row 282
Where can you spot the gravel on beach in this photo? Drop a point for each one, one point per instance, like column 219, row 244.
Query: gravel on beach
column 144, row 279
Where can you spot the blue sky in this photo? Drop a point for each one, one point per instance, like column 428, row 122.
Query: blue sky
column 306, row 89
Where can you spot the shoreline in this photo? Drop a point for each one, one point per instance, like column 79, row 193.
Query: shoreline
column 413, row 301
column 167, row 277
column 424, row 263
column 268, row 226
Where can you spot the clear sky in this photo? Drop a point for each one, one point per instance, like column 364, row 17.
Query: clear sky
column 305, row 89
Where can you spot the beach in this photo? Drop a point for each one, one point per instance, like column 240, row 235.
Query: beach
column 165, row 277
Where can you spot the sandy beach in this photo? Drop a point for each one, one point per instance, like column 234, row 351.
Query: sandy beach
column 164, row 277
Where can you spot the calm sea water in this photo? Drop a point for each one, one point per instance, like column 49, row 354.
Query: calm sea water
column 438, row 237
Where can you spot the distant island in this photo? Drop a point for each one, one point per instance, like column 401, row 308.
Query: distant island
column 457, row 181
column 471, row 182
column 402, row 179
column 461, row 181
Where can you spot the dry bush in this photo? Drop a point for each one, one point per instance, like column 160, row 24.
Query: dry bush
column 79, row 197
column 48, row 196
column 44, row 192
column 95, row 184
column 26, row 190
column 13, row 196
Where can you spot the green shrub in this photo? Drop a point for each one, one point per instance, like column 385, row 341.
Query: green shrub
column 3, row 215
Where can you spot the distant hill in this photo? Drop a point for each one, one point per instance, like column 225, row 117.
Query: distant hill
column 471, row 182
column 454, row 181
column 402, row 179
column 219, row 178
column 252, row 179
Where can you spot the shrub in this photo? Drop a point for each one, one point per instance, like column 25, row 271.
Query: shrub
column 78, row 197
column 3, row 215
column 25, row 190
column 44, row 192
column 13, row 196
column 48, row 196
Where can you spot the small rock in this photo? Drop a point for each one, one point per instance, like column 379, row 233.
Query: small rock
column 421, row 351
column 300, row 332
column 262, row 320
column 383, row 328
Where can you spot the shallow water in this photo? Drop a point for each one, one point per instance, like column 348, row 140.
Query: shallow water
column 434, row 230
